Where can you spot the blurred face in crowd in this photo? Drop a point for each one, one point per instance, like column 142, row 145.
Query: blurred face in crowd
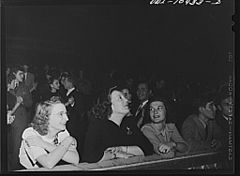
column 8, row 70
column 58, row 117
column 127, row 94
column 209, row 111
column 157, row 111
column 55, row 84
column 160, row 84
column 227, row 106
column 25, row 67
column 67, row 84
column 143, row 92
column 119, row 103
column 19, row 76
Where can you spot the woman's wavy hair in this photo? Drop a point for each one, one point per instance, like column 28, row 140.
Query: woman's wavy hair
column 40, row 121
column 102, row 108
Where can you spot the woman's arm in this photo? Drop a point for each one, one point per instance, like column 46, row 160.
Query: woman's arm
column 19, row 101
column 107, row 156
column 180, row 145
column 71, row 155
column 152, row 138
column 134, row 150
column 56, row 153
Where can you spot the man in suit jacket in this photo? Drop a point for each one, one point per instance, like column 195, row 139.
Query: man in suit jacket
column 201, row 130
column 224, row 119
column 142, row 111
column 29, row 78
column 74, row 102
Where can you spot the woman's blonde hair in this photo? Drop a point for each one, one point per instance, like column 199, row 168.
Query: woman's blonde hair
column 40, row 121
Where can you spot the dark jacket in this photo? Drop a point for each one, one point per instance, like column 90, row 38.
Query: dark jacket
column 195, row 134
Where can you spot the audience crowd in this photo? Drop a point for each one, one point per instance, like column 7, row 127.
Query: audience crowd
column 57, row 115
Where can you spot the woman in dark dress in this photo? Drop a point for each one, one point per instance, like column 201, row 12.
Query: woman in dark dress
column 18, row 98
column 105, row 138
column 22, row 118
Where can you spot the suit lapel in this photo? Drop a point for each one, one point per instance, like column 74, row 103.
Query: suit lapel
column 201, row 129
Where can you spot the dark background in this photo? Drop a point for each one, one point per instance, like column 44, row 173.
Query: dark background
column 169, row 40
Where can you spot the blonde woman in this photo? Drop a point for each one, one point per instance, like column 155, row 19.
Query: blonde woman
column 46, row 142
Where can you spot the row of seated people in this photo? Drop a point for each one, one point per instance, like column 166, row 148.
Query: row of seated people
column 114, row 132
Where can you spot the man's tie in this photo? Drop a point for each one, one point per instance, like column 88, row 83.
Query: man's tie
column 139, row 109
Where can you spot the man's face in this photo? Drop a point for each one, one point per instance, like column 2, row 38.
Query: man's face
column 19, row 76
column 67, row 84
column 143, row 92
column 25, row 67
column 209, row 111
column 227, row 106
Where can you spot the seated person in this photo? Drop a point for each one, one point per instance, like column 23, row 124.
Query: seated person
column 47, row 141
column 201, row 130
column 224, row 114
column 105, row 139
column 164, row 136
column 224, row 119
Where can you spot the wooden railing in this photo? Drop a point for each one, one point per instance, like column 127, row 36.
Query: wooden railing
column 203, row 160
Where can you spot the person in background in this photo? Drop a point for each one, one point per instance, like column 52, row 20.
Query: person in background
column 62, row 90
column 13, row 103
column 29, row 78
column 75, row 104
column 164, row 136
column 224, row 115
column 52, row 89
column 105, row 138
column 144, row 93
column 201, row 130
column 225, row 119
column 47, row 143
column 22, row 117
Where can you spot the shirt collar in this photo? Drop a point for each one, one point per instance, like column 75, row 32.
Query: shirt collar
column 143, row 103
column 163, row 131
column 70, row 90
column 225, row 117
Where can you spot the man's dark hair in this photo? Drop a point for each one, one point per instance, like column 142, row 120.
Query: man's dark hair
column 71, row 79
column 203, row 99
column 17, row 68
column 223, row 94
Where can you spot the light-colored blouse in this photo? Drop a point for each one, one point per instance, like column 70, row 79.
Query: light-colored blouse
column 29, row 154
column 157, row 137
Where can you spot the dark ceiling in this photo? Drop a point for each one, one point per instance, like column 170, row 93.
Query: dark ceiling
column 166, row 39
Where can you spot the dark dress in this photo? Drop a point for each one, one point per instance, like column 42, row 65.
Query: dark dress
column 46, row 94
column 21, row 121
column 11, row 101
column 103, row 134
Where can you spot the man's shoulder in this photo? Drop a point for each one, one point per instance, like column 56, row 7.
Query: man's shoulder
column 190, row 119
